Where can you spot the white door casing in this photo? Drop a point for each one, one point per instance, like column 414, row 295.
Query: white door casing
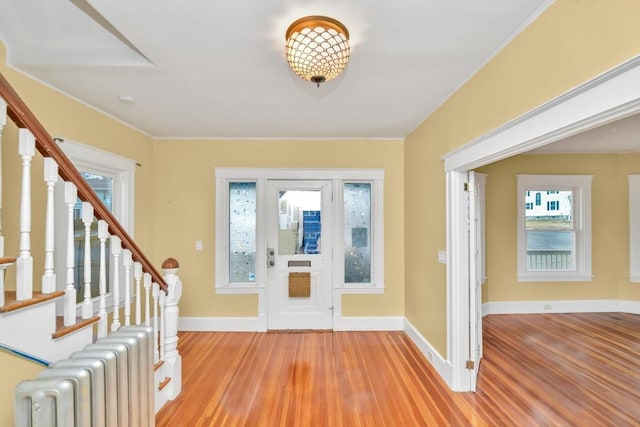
column 610, row 96
column 284, row 311
column 476, row 247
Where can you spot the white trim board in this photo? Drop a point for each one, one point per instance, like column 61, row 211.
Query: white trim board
column 258, row 324
column 443, row 367
column 368, row 323
column 570, row 306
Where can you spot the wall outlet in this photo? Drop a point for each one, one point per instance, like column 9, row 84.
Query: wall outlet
column 198, row 245
column 442, row 256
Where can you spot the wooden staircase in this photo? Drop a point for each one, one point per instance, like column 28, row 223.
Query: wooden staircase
column 30, row 310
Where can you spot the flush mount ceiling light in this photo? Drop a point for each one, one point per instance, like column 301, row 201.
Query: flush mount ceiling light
column 317, row 48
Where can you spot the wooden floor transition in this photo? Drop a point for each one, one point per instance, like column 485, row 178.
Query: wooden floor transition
column 538, row 370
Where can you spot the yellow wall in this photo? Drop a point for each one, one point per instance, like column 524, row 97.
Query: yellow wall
column 610, row 227
column 14, row 370
column 570, row 43
column 184, row 211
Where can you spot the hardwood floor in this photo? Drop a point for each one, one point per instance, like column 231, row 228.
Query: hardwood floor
column 538, row 370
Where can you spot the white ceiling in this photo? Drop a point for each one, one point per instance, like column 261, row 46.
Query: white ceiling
column 217, row 68
column 621, row 136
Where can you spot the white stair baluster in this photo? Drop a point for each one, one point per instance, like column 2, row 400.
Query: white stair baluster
column 137, row 274
column 49, row 276
column 70, row 197
column 156, row 294
column 87, row 220
column 24, row 264
column 116, row 250
column 127, row 261
column 147, row 303
column 102, row 236
column 3, row 122
column 163, row 301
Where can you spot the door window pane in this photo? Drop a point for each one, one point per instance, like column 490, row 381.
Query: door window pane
column 242, row 232
column 357, row 232
column 103, row 186
column 300, row 222
column 549, row 232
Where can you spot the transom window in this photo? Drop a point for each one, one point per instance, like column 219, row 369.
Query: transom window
column 554, row 228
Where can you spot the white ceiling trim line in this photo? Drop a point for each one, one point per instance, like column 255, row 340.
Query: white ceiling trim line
column 270, row 138
column 611, row 96
column 76, row 99
column 535, row 15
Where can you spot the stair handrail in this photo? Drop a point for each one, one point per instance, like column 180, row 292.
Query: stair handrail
column 23, row 117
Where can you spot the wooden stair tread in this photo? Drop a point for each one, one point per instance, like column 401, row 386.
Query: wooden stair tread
column 11, row 303
column 6, row 260
column 158, row 365
column 164, row 383
column 62, row 330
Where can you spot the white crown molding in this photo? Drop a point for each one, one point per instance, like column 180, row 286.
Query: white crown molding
column 611, row 96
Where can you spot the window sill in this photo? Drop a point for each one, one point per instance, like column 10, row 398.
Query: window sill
column 556, row 278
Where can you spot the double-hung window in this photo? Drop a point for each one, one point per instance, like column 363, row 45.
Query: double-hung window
column 554, row 228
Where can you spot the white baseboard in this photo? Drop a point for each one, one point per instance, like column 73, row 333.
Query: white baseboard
column 572, row 306
column 443, row 367
column 222, row 324
column 368, row 323
column 258, row 324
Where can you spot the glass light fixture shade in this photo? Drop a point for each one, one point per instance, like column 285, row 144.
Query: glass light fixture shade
column 317, row 48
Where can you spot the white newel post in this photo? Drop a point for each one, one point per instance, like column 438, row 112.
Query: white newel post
column 24, row 264
column 127, row 261
column 87, row 220
column 49, row 276
column 70, row 197
column 172, row 359
column 102, row 311
column 116, row 250
column 137, row 275
column 147, row 288
column 155, row 294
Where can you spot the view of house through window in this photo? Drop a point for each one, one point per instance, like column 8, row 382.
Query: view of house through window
column 549, row 230
column 554, row 228
column 103, row 186
column 300, row 224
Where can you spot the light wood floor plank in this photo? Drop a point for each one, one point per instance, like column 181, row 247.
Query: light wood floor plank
column 538, row 370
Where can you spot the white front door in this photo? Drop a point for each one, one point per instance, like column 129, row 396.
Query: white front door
column 299, row 252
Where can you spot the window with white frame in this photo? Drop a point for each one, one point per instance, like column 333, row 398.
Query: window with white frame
column 554, row 228
column 241, row 228
column 112, row 178
column 634, row 227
